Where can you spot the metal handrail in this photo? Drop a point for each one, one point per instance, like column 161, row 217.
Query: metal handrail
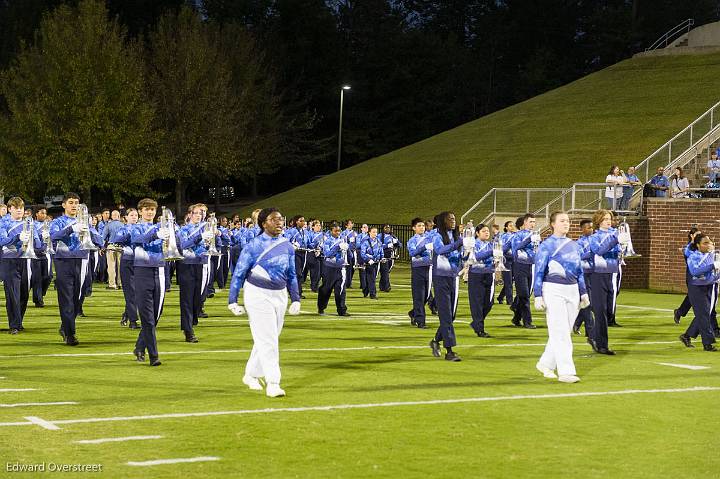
column 673, row 32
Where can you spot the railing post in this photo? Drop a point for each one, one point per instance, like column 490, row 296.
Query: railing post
column 669, row 152
column 712, row 111
column 691, row 135
column 527, row 201
column 495, row 202
column 647, row 171
column 563, row 202
column 572, row 199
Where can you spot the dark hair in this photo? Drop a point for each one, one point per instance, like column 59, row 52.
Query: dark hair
column 584, row 222
column 555, row 214
column 345, row 222
column 334, row 224
column 416, row 221
column 692, row 231
column 519, row 222
column 71, row 196
column 505, row 225
column 105, row 209
column 696, row 242
column 264, row 213
column 443, row 229
column 480, row 227
column 612, row 168
column 382, row 234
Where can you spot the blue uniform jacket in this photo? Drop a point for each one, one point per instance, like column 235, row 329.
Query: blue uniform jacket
column 606, row 250
column 65, row 241
column 371, row 249
column 558, row 261
column 10, row 239
column 483, row 257
column 147, row 245
column 419, row 255
column 122, row 237
column 522, row 248
column 447, row 258
column 701, row 269
column 192, row 245
column 334, row 256
column 586, row 255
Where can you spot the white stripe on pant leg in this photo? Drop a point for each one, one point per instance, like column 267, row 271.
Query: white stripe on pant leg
column 429, row 291
column 457, row 295
column 343, row 275
column 614, row 296
column 29, row 276
column 492, row 293
column 47, row 255
column 96, row 255
column 161, row 278
column 205, row 269
column 84, row 266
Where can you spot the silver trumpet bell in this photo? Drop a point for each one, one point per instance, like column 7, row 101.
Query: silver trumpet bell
column 46, row 234
column 626, row 251
column 211, row 225
column 499, row 256
column 170, row 249
column 83, row 217
column 28, row 247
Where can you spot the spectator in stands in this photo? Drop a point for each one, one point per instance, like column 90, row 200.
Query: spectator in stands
column 659, row 183
column 631, row 181
column 714, row 168
column 614, row 190
column 680, row 184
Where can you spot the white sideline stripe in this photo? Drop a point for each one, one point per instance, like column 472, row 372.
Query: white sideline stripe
column 333, row 407
column 42, row 423
column 685, row 366
column 305, row 350
column 23, row 404
column 158, row 462
column 646, row 307
column 116, row 439
column 3, row 377
column 16, row 390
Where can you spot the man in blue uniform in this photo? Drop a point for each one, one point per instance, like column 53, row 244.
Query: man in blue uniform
column 524, row 245
column 335, row 250
column 420, row 247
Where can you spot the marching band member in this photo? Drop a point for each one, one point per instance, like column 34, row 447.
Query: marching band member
column 122, row 237
column 506, row 240
column 335, row 250
column 524, row 244
column 362, row 236
column 588, row 265
column 447, row 262
column 371, row 253
column 684, row 307
column 350, row 237
column 42, row 267
column 16, row 270
column 420, row 248
column 112, row 256
column 192, row 270
column 390, row 246
column 299, row 238
column 149, row 268
column 559, row 288
column 224, row 260
column 71, row 265
column 605, row 245
column 236, row 235
column 705, row 271
column 100, row 273
column 266, row 272
column 315, row 258
column 481, row 280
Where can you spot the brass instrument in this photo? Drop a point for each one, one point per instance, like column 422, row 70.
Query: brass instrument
column 170, row 249
column 83, row 218
column 499, row 255
column 28, row 247
column 46, row 237
column 211, row 225
column 626, row 251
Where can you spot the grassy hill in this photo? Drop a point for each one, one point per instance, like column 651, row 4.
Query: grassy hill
column 571, row 134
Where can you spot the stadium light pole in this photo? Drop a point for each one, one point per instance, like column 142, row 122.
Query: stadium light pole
column 342, row 96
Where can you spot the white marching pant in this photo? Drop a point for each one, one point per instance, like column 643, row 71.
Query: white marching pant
column 266, row 313
column 562, row 301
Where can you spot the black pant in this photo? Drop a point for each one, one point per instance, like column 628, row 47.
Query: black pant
column 601, row 300
column 446, row 293
column 349, row 269
column 585, row 314
column 385, row 268
column 507, row 290
column 481, row 288
column 149, row 297
column 212, row 273
column 701, row 298
column 333, row 279
column 68, row 283
column 189, row 278
column 370, row 273
column 234, row 255
column 87, row 286
column 41, row 277
column 222, row 268
column 315, row 268
column 15, row 273
column 301, row 257
column 101, row 275
column 522, row 275
column 420, row 283
column 127, row 276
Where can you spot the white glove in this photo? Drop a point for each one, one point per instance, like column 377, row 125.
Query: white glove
column 207, row 235
column 429, row 246
column 540, row 304
column 372, row 261
column 584, row 301
column 352, row 239
column 469, row 243
column 535, row 238
column 623, row 238
column 296, row 245
column 344, row 246
column 163, row 233
column 236, row 309
column 24, row 236
column 294, row 308
column 77, row 227
column 391, row 246
column 45, row 235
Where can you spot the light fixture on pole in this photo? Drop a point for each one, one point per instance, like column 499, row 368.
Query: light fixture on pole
column 339, row 153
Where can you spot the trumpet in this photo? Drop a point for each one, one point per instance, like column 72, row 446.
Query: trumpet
column 46, row 237
column 499, row 255
column 211, row 225
column 626, row 251
column 170, row 249
column 28, row 247
column 83, row 219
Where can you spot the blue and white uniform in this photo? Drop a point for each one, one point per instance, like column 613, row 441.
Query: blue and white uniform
column 390, row 245
column 588, row 266
column 192, row 275
column 523, row 253
column 300, row 239
column 447, row 263
column 42, row 272
column 560, row 282
column 506, row 292
column 701, row 289
column 127, row 271
column 420, row 277
column 350, row 237
column 481, row 285
column 315, row 258
column 371, row 253
column 266, row 273
column 333, row 274
column 606, row 263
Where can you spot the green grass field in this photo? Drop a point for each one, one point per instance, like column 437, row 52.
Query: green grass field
column 492, row 415
column 619, row 115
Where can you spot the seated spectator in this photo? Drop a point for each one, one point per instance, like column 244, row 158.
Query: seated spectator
column 659, row 184
column 631, row 181
column 680, row 184
column 614, row 190
column 714, row 168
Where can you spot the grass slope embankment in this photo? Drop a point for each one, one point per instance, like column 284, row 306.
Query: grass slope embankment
column 571, row 134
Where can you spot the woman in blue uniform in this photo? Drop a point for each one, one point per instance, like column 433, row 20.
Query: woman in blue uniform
column 481, row 281
column 390, row 245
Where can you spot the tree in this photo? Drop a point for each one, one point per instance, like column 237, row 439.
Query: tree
column 79, row 118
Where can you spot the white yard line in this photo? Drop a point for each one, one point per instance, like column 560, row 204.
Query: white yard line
column 646, row 308
column 116, row 439
column 331, row 407
column 16, row 390
column 23, row 404
column 158, row 462
column 685, row 366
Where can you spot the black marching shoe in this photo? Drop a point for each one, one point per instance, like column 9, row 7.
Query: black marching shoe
column 614, row 325
column 499, row 300
column 139, row 355
column 606, row 351
column 202, row 314
column 676, row 316
column 422, row 326
column 685, row 339
column 124, row 320
column 482, row 334
column 211, row 295
column 13, row 331
column 155, row 361
column 592, row 345
column 344, row 313
column 372, row 296
column 529, row 326
column 452, row 356
column 40, row 304
column 321, row 312
column 709, row 347
column 62, row 334
column 433, row 311
column 412, row 318
column 190, row 337
column 435, row 347
column 133, row 325
column 576, row 329
column 71, row 340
